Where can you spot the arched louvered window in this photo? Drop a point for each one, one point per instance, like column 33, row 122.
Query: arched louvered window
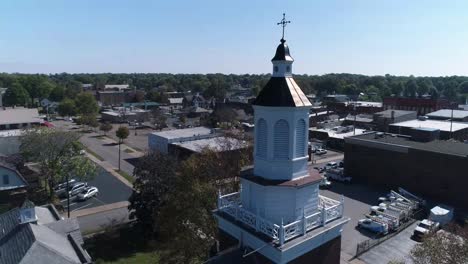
column 300, row 138
column 261, row 138
column 281, row 140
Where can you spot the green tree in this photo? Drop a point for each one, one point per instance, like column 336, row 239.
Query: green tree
column 57, row 154
column 67, row 108
column 57, row 94
column 463, row 87
column 442, row 247
column 121, row 133
column 192, row 229
column 155, row 176
column 106, row 127
column 16, row 95
column 86, row 104
column 411, row 88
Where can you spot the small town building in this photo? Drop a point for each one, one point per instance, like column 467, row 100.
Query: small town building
column 448, row 130
column 123, row 115
column 160, row 141
column 117, row 87
column 278, row 216
column 383, row 119
column 421, row 105
column 38, row 234
column 433, row 169
column 10, row 141
column 449, row 114
column 19, row 118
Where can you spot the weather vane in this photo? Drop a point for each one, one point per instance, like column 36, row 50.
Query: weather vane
column 283, row 23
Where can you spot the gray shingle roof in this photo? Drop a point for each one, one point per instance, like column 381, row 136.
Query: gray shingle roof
column 50, row 240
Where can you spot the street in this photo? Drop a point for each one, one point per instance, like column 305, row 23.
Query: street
column 111, row 190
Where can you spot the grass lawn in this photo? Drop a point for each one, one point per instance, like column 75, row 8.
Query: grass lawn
column 123, row 245
column 93, row 153
column 128, row 150
column 127, row 176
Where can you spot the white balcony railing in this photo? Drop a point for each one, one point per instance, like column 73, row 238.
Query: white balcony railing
column 327, row 211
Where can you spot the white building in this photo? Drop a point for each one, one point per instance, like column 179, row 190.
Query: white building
column 160, row 141
column 279, row 215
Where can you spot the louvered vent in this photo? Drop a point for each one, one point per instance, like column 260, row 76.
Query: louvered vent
column 281, row 140
column 262, row 138
column 300, row 138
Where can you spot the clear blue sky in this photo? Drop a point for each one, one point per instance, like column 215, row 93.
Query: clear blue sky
column 401, row 37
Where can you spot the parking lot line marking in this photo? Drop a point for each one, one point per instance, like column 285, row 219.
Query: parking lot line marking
column 70, row 205
column 99, row 200
column 86, row 205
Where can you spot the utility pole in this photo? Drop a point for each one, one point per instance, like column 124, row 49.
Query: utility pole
column 354, row 125
column 120, row 142
column 451, row 124
column 68, row 194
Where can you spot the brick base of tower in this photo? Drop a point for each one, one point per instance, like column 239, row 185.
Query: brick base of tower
column 328, row 253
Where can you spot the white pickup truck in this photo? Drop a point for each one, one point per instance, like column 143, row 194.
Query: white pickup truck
column 337, row 175
column 439, row 216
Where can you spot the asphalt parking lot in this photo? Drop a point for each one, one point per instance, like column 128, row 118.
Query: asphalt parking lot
column 357, row 200
column 111, row 190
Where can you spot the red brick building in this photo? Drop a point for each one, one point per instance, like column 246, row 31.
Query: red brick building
column 421, row 105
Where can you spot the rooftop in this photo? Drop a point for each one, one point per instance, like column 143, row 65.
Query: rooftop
column 441, row 146
column 429, row 123
column 50, row 240
column 19, row 115
column 360, row 118
column 335, row 134
column 447, row 113
column 215, row 143
column 396, row 113
column 184, row 133
column 282, row 92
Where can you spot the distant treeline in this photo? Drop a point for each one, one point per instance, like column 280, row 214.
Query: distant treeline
column 24, row 88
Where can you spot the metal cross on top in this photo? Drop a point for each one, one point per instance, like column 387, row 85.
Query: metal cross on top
column 283, row 23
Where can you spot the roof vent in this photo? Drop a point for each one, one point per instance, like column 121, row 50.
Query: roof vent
column 28, row 215
column 28, row 212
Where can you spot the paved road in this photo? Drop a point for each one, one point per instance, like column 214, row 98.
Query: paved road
column 397, row 248
column 111, row 190
column 108, row 151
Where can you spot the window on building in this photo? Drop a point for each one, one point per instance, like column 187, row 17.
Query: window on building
column 6, row 179
column 262, row 138
column 281, row 140
column 300, row 138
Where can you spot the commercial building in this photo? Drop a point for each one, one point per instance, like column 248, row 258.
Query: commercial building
column 17, row 118
column 448, row 130
column 421, row 105
column 122, row 114
column 448, row 114
column 160, row 141
column 436, row 170
column 113, row 98
column 185, row 149
column 383, row 119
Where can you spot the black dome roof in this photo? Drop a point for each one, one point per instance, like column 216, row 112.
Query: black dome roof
column 282, row 52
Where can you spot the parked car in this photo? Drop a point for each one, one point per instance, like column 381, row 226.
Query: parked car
column 75, row 189
column 373, row 226
column 320, row 151
column 325, row 183
column 341, row 164
column 88, row 193
column 425, row 227
column 63, row 185
column 337, row 175
column 331, row 165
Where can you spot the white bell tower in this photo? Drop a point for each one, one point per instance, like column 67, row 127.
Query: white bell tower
column 279, row 196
